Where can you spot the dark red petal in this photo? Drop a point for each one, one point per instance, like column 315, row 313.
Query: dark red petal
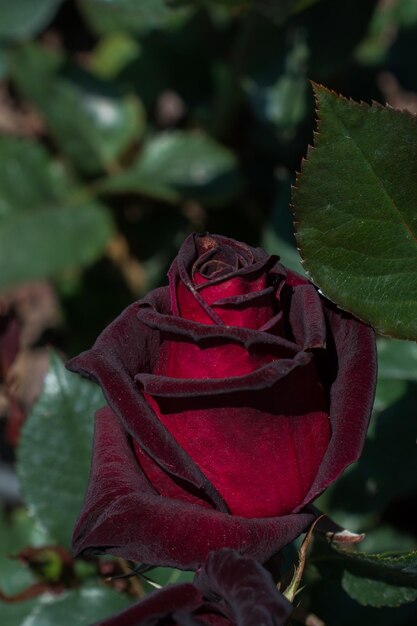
column 166, row 484
column 185, row 597
column 123, row 515
column 123, row 349
column 260, row 449
column 306, row 318
column 246, row 587
column 249, row 310
column 261, row 378
column 225, row 268
column 203, row 333
column 348, row 369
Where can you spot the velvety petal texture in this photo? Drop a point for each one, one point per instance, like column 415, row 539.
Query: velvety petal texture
column 126, row 515
column 236, row 395
column 229, row 590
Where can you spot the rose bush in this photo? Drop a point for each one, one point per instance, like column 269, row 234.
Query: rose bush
column 236, row 395
column 230, row 590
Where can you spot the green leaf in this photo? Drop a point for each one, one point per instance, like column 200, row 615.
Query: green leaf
column 80, row 607
column 355, row 212
column 24, row 18
column 89, row 118
column 180, row 164
column 45, row 224
column 55, row 447
column 132, row 15
column 371, row 579
column 15, row 614
column 376, row 593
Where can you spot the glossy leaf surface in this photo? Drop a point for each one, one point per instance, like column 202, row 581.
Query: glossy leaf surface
column 54, row 452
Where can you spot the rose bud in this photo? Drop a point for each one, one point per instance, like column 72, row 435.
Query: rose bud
column 235, row 396
column 230, row 590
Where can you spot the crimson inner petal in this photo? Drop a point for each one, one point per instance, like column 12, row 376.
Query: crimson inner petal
column 221, row 260
column 260, row 449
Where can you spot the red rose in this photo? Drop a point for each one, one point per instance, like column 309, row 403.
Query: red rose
column 229, row 590
column 237, row 395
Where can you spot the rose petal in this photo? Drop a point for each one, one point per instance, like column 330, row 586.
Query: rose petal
column 233, row 586
column 185, row 597
column 306, row 317
column 124, row 348
column 192, row 293
column 124, row 516
column 262, row 378
column 246, row 587
column 201, row 333
column 250, row 310
column 260, row 449
column 348, row 369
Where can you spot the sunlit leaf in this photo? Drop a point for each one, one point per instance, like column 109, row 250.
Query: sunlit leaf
column 55, row 447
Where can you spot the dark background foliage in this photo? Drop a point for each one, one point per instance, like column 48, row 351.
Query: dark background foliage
column 124, row 126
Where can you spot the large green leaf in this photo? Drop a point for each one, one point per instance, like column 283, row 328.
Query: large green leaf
column 371, row 579
column 89, row 118
column 177, row 164
column 46, row 224
column 355, row 212
column 55, row 448
column 23, row 18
